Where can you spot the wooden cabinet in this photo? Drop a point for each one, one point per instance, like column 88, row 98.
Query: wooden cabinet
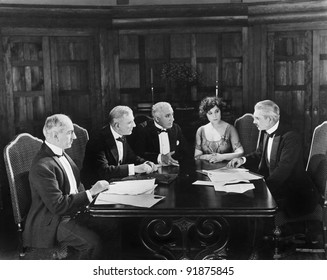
column 297, row 78
column 50, row 72
column 217, row 56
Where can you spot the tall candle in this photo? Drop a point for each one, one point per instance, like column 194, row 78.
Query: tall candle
column 217, row 88
column 151, row 76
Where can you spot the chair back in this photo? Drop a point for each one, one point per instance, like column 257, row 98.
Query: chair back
column 18, row 157
column 77, row 150
column 248, row 133
column 317, row 160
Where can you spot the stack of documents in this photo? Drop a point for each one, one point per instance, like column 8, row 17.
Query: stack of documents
column 230, row 179
column 131, row 192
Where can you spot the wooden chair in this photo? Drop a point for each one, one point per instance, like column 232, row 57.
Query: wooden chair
column 18, row 156
column 248, row 133
column 77, row 150
column 317, row 170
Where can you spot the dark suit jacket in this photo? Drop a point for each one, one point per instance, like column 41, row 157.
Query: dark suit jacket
column 285, row 175
column 147, row 145
column 101, row 158
column 50, row 198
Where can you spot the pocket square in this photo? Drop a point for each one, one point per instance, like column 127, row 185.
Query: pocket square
column 177, row 143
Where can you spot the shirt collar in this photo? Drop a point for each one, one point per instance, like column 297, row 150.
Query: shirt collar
column 273, row 128
column 114, row 133
column 55, row 149
column 159, row 126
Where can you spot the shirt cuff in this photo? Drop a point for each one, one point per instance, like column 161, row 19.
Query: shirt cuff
column 159, row 159
column 89, row 196
column 244, row 160
column 131, row 170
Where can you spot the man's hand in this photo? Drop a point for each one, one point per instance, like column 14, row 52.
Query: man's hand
column 235, row 162
column 168, row 160
column 146, row 167
column 153, row 165
column 99, row 186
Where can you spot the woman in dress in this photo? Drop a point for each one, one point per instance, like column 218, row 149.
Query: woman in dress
column 218, row 140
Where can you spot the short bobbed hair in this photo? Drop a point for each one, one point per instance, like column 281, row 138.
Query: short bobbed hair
column 207, row 104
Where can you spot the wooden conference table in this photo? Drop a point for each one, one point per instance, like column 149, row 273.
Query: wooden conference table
column 191, row 222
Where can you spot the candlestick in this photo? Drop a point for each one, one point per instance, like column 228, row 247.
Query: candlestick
column 217, row 93
column 151, row 76
column 152, row 94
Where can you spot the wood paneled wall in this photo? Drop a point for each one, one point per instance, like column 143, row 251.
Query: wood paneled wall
column 83, row 62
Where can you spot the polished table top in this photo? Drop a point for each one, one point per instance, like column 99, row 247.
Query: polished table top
column 184, row 199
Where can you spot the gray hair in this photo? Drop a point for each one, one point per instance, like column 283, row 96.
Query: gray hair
column 118, row 112
column 157, row 108
column 268, row 109
column 56, row 123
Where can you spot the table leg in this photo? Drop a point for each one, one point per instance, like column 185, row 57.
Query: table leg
column 186, row 238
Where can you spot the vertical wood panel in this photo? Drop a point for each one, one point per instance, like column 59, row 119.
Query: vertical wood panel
column 245, row 70
column 308, row 118
column 271, row 68
column 263, row 63
column 180, row 46
column 47, row 76
column 9, row 87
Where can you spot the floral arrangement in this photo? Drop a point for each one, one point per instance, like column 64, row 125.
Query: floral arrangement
column 180, row 73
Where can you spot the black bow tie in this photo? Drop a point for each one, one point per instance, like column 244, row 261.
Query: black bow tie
column 161, row 130
column 59, row 156
column 271, row 135
column 121, row 139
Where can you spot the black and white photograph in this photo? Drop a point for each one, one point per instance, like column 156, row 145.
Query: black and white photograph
column 139, row 132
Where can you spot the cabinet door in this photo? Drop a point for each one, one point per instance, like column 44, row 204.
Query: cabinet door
column 319, row 86
column 27, row 83
column 73, row 79
column 290, row 78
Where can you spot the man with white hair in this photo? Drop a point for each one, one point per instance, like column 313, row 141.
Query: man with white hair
column 160, row 139
column 57, row 195
column 279, row 158
column 108, row 155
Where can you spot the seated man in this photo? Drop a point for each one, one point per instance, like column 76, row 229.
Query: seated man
column 161, row 140
column 57, row 195
column 279, row 159
column 108, row 155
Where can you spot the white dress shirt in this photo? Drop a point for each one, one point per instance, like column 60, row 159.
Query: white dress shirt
column 68, row 169
column 164, row 145
column 271, row 139
column 120, row 148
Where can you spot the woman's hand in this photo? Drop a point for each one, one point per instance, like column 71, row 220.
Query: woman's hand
column 216, row 158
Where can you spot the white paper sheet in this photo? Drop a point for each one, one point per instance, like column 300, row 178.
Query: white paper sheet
column 210, row 183
column 231, row 175
column 132, row 187
column 142, row 200
column 234, row 188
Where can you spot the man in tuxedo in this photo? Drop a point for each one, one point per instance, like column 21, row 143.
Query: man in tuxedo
column 108, row 155
column 57, row 196
column 160, row 139
column 279, row 158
